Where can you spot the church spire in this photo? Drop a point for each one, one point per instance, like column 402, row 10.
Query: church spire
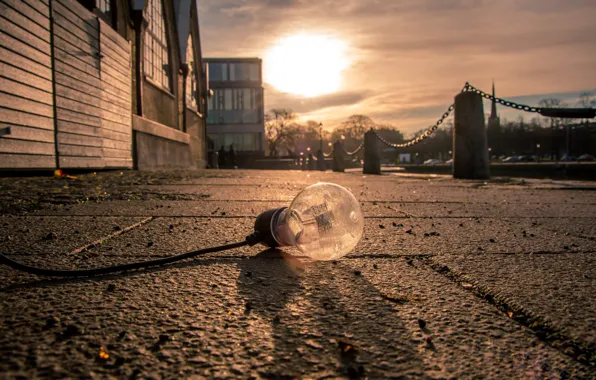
column 493, row 109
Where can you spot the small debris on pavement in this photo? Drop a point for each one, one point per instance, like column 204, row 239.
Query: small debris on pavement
column 163, row 338
column 150, row 244
column 346, row 348
column 492, row 240
column 117, row 228
column 50, row 236
column 375, row 266
column 52, row 321
column 71, row 330
column 357, row 273
column 381, row 226
column 111, row 287
column 421, row 323
column 103, row 353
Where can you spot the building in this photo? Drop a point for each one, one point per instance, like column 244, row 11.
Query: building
column 236, row 108
column 100, row 84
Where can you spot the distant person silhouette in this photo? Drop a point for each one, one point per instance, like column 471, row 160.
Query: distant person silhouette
column 222, row 157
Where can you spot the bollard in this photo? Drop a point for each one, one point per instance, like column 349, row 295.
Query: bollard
column 303, row 163
column 372, row 154
column 470, row 147
column 338, row 157
column 321, row 161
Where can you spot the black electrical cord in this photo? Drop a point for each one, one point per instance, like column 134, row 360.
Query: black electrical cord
column 250, row 240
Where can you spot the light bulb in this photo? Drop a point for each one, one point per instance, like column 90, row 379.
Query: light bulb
column 324, row 222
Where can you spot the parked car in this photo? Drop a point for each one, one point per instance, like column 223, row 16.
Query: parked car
column 511, row 159
column 586, row 157
column 567, row 158
column 432, row 161
column 449, row 161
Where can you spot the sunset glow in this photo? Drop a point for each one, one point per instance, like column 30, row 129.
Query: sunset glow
column 306, row 65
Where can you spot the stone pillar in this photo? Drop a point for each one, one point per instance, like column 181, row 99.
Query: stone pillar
column 338, row 157
column 372, row 154
column 470, row 147
column 321, row 161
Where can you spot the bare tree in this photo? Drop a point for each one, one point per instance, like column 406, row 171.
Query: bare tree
column 280, row 129
column 553, row 122
column 587, row 100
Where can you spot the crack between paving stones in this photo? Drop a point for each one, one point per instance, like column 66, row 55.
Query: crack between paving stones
column 110, row 236
column 545, row 330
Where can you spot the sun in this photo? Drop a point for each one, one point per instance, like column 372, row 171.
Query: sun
column 306, row 64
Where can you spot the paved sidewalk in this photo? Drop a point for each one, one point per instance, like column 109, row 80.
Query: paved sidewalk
column 453, row 279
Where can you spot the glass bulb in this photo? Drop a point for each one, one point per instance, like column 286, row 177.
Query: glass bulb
column 324, row 222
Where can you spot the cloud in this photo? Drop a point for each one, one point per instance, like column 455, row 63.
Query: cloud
column 300, row 104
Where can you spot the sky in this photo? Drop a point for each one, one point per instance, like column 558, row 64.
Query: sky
column 409, row 58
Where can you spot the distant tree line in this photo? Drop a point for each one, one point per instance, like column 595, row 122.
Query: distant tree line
column 538, row 136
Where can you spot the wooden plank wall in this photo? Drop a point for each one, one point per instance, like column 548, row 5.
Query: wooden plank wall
column 93, row 80
column 26, row 85
column 116, row 100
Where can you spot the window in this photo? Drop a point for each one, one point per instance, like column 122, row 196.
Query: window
column 156, row 63
column 104, row 6
column 244, row 72
column 218, row 71
column 235, row 106
column 192, row 90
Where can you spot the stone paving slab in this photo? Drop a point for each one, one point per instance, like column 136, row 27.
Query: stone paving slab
column 369, row 208
column 460, row 325
column 557, row 287
column 392, row 190
column 161, row 237
column 469, row 236
column 48, row 235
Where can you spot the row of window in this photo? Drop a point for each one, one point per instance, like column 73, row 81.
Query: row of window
column 235, row 106
column 242, row 142
column 157, row 62
column 235, row 99
column 223, row 72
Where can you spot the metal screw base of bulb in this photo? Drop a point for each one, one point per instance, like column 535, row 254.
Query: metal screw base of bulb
column 264, row 226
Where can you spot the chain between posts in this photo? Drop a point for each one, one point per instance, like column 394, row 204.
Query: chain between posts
column 418, row 139
column 469, row 88
column 355, row 151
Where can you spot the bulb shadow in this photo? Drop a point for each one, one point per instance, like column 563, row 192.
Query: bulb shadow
column 324, row 320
